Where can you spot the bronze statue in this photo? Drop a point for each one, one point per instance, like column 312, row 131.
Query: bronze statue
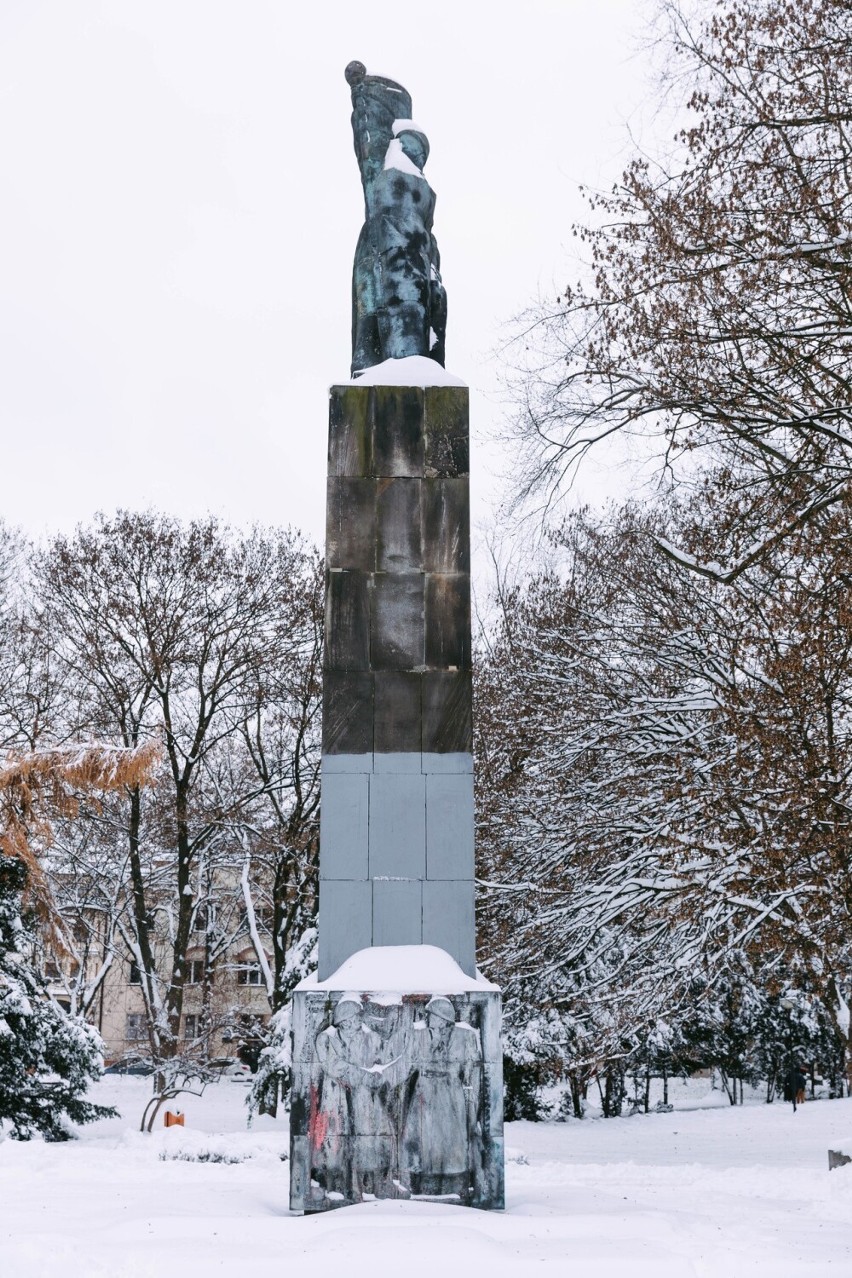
column 399, row 306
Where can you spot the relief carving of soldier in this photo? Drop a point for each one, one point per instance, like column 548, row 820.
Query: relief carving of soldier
column 396, row 1106
column 348, row 1126
column 443, row 1098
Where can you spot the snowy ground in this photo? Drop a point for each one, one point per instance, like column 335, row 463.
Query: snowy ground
column 711, row 1192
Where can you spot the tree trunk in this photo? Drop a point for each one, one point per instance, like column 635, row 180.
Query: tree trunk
column 141, row 924
column 174, row 998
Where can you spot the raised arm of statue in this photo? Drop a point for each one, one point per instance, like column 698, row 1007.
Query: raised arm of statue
column 376, row 104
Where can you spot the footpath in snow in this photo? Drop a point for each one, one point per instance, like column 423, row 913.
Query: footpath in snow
column 714, row 1193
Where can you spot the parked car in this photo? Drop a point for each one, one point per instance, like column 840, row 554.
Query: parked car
column 229, row 1067
column 131, row 1065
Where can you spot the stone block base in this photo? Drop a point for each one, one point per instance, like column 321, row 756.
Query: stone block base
column 396, row 1096
column 396, row 855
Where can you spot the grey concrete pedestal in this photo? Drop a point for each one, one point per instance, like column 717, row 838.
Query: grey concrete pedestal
column 396, row 1096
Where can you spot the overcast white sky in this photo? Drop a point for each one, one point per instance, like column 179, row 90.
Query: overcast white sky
column 179, row 206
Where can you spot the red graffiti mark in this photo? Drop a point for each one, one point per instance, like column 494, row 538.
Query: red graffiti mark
column 318, row 1124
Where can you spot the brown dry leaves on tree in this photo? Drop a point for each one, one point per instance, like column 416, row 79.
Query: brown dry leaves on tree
column 38, row 786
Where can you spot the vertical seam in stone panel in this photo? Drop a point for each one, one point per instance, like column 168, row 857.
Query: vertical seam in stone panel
column 420, row 499
column 426, row 844
column 426, row 825
column 426, row 792
column 371, row 611
column 369, row 861
column 371, row 432
column 425, row 867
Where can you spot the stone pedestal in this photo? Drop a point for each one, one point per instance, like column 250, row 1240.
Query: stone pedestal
column 396, row 1096
column 396, row 837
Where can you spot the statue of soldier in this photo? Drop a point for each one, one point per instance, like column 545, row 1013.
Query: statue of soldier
column 399, row 305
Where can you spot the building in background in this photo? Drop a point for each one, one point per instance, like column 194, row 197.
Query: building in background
column 226, row 984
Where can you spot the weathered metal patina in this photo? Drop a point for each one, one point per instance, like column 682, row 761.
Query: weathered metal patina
column 399, row 306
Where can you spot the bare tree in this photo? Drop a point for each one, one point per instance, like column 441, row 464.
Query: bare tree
column 172, row 633
column 677, row 792
column 716, row 315
column 282, row 741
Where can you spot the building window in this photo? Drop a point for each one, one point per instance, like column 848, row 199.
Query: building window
column 264, row 915
column 199, row 922
column 195, row 972
column 249, row 974
column 134, row 1027
column 134, row 976
column 191, row 1027
column 51, row 971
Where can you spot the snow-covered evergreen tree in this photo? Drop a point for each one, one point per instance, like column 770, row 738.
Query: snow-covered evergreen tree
column 47, row 1058
column 272, row 1080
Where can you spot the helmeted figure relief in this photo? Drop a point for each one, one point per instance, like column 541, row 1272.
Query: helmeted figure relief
column 345, row 1106
column 399, row 305
column 394, row 1098
column 442, row 1104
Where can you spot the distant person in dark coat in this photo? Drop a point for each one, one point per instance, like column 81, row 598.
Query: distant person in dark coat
column 796, row 1084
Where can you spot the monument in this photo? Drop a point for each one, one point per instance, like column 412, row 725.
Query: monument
column 399, row 307
column 397, row 1063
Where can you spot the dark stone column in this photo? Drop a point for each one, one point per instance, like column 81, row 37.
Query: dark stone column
column 397, row 698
